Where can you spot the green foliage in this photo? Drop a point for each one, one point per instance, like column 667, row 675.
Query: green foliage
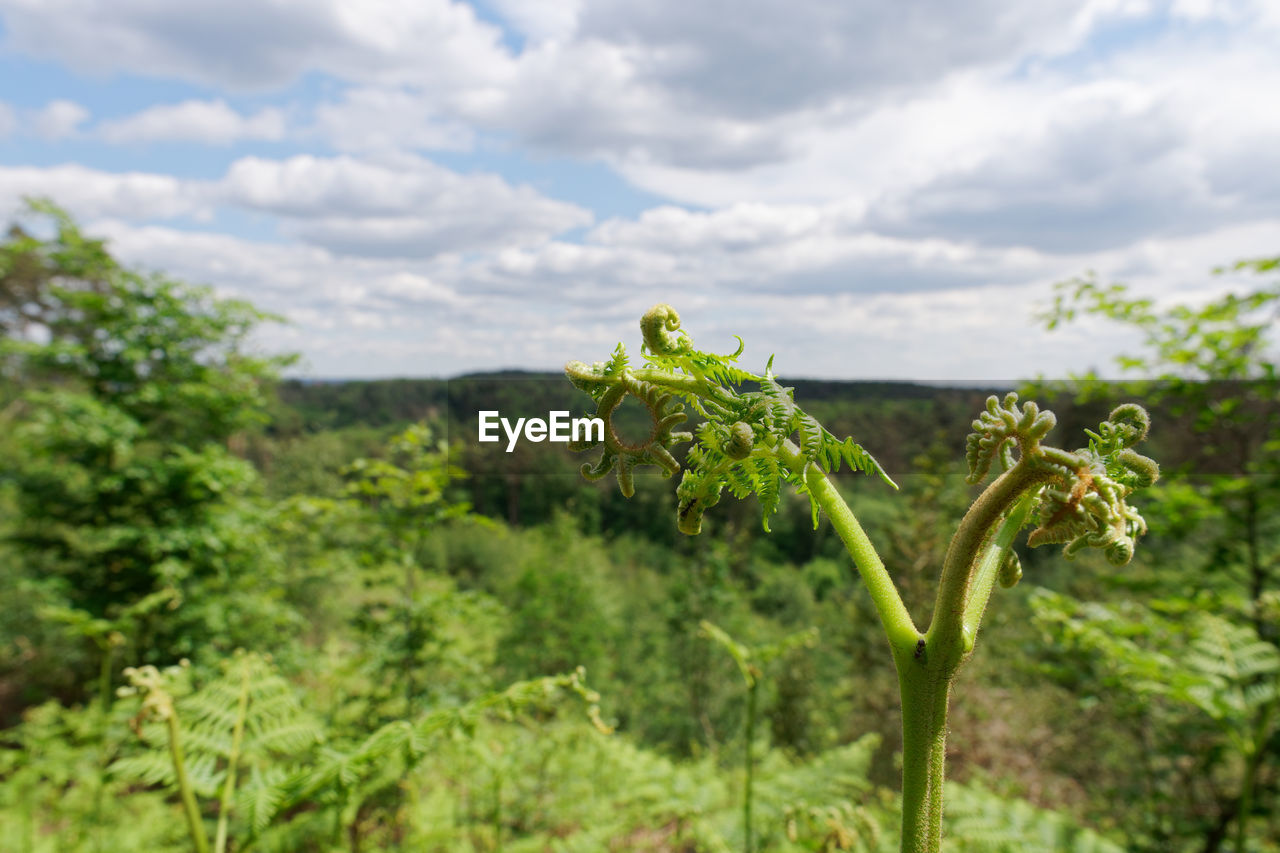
column 247, row 736
column 132, row 530
column 167, row 355
column 54, row 797
column 1205, row 664
column 1222, row 669
column 349, row 785
column 980, row 822
column 249, row 696
column 653, row 803
column 745, row 443
column 1221, row 340
column 735, row 445
column 408, row 488
column 1215, row 368
column 129, row 388
column 752, row 660
column 403, row 495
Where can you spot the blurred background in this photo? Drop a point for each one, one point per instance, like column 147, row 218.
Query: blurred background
column 264, row 262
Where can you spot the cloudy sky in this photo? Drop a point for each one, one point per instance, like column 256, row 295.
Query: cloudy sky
column 867, row 188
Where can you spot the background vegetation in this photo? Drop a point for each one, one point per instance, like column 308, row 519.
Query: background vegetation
column 240, row 613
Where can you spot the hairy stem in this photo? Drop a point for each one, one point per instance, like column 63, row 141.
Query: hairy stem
column 946, row 635
column 925, row 693
column 893, row 613
column 747, row 793
column 988, row 566
column 924, row 687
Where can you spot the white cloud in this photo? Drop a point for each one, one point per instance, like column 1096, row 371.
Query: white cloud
column 58, row 119
column 756, row 58
column 383, row 119
column 248, row 45
column 408, row 206
column 677, row 229
column 90, row 193
column 668, row 83
column 806, row 283
column 1096, row 177
column 860, row 156
column 590, row 98
column 1165, row 139
column 210, row 122
column 405, row 207
column 541, row 20
column 882, row 189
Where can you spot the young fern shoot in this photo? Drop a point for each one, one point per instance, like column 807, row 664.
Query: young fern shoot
column 757, row 441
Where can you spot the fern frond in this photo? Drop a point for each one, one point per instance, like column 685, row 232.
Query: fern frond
column 812, row 436
column 740, row 425
column 148, row 768
column 618, row 362
column 983, row 822
column 261, row 796
column 768, row 479
column 406, row 743
column 1003, row 424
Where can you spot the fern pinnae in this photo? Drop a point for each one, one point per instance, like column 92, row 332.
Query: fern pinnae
column 740, row 480
column 260, row 797
column 767, row 482
column 812, row 436
column 739, row 445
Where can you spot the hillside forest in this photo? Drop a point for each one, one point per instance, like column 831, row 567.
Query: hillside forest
column 242, row 612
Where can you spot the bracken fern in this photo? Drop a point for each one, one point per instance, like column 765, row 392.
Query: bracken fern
column 756, row 441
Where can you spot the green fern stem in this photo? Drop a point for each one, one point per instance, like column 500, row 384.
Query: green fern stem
column 748, row 792
column 1253, row 763
column 988, row 566
column 925, row 674
column 195, row 823
column 927, row 664
column 925, row 694
column 233, row 759
column 950, row 635
column 1078, row 500
column 924, row 688
column 901, row 631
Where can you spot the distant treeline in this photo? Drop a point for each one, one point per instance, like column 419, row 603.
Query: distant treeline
column 899, row 422
column 317, row 405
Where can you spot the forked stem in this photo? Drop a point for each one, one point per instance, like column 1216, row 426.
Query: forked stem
column 745, row 445
column 927, row 664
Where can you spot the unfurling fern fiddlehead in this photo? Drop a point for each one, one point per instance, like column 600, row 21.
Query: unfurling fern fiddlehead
column 1082, row 502
column 740, row 444
column 752, row 441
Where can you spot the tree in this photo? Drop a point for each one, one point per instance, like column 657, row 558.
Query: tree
column 1214, row 367
column 127, row 389
column 401, row 497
